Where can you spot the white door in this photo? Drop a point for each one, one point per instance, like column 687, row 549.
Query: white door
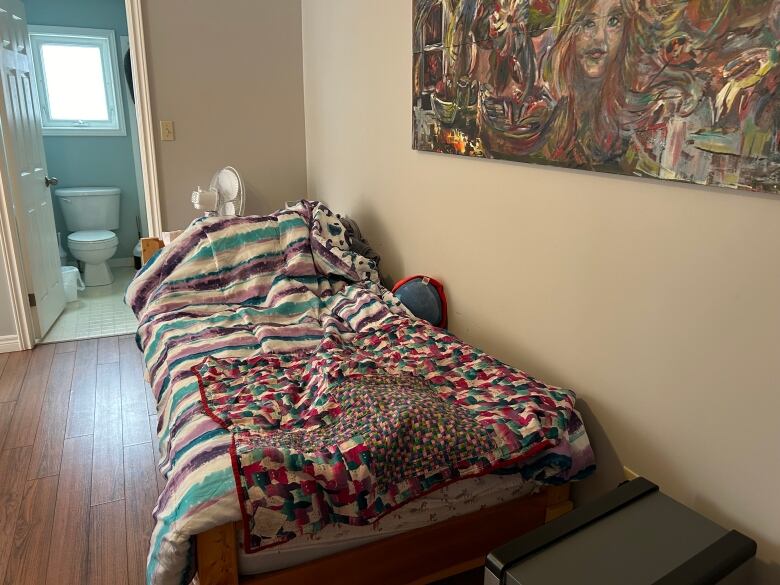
column 26, row 163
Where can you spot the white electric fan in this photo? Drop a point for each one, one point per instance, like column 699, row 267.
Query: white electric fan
column 225, row 195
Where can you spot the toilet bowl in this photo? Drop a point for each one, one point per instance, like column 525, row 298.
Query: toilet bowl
column 94, row 248
column 91, row 213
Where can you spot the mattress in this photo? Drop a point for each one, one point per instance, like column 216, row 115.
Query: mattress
column 457, row 499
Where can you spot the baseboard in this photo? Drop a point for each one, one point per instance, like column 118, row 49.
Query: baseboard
column 121, row 262
column 9, row 343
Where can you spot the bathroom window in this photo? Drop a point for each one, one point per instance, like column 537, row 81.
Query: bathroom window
column 78, row 81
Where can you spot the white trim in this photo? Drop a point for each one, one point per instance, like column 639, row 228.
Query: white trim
column 83, row 132
column 105, row 41
column 11, row 251
column 9, row 343
column 143, row 108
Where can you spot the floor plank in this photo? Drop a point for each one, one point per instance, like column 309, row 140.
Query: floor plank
column 156, row 452
column 140, row 498
column 108, row 350
column 3, row 360
column 47, row 450
column 107, row 545
column 81, row 412
column 68, row 555
column 135, row 423
column 32, row 536
column 6, row 411
column 13, row 471
column 65, row 347
column 108, row 482
column 13, row 375
column 27, row 412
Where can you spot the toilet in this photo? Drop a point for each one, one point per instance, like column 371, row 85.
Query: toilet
column 91, row 214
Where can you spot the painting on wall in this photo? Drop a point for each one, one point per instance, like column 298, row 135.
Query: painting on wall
column 683, row 90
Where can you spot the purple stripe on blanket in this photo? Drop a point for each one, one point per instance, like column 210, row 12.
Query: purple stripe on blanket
column 180, row 474
column 184, row 246
column 277, row 296
column 376, row 318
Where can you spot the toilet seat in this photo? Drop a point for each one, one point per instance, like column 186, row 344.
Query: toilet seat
column 92, row 240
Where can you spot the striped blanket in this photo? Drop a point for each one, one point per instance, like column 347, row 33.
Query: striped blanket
column 239, row 290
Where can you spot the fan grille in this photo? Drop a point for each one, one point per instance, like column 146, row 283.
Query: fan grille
column 228, row 184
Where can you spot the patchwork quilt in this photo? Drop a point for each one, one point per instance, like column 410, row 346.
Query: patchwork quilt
column 294, row 391
column 360, row 427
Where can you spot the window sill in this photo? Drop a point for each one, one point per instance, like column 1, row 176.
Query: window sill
column 86, row 132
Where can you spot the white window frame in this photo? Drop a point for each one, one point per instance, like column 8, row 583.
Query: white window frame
column 105, row 41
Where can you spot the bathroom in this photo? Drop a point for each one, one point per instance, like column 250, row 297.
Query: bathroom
column 79, row 50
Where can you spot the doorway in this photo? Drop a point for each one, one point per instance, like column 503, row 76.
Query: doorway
column 79, row 153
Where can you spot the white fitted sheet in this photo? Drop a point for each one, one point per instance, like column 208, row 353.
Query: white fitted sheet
column 454, row 500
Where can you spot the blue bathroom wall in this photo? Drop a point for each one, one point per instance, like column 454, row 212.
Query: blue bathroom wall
column 92, row 161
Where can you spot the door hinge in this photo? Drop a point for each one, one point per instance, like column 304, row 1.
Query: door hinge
column 31, row 298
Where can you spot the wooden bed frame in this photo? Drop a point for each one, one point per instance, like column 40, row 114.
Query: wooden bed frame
column 416, row 557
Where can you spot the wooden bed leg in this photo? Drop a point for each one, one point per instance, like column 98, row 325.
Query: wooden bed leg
column 217, row 553
column 558, row 502
column 148, row 247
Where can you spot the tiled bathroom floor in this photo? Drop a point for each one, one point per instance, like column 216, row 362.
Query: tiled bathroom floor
column 99, row 312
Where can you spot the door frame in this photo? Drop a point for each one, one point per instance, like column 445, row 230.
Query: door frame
column 143, row 108
column 10, row 245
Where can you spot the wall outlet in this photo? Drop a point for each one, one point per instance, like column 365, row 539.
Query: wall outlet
column 629, row 474
column 167, row 132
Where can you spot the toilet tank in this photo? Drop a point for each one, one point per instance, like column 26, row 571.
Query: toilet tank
column 89, row 208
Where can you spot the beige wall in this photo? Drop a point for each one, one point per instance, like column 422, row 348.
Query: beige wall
column 230, row 77
column 658, row 302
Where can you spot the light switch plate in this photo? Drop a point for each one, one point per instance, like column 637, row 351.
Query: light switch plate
column 167, row 132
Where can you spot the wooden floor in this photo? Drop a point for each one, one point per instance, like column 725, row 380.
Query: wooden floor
column 78, row 476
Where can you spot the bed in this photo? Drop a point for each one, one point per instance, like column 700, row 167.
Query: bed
column 263, row 336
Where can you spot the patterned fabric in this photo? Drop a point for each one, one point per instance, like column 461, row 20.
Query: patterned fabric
column 455, row 499
column 243, row 288
column 361, row 427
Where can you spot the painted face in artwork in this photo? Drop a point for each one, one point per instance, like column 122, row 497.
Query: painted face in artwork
column 598, row 39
